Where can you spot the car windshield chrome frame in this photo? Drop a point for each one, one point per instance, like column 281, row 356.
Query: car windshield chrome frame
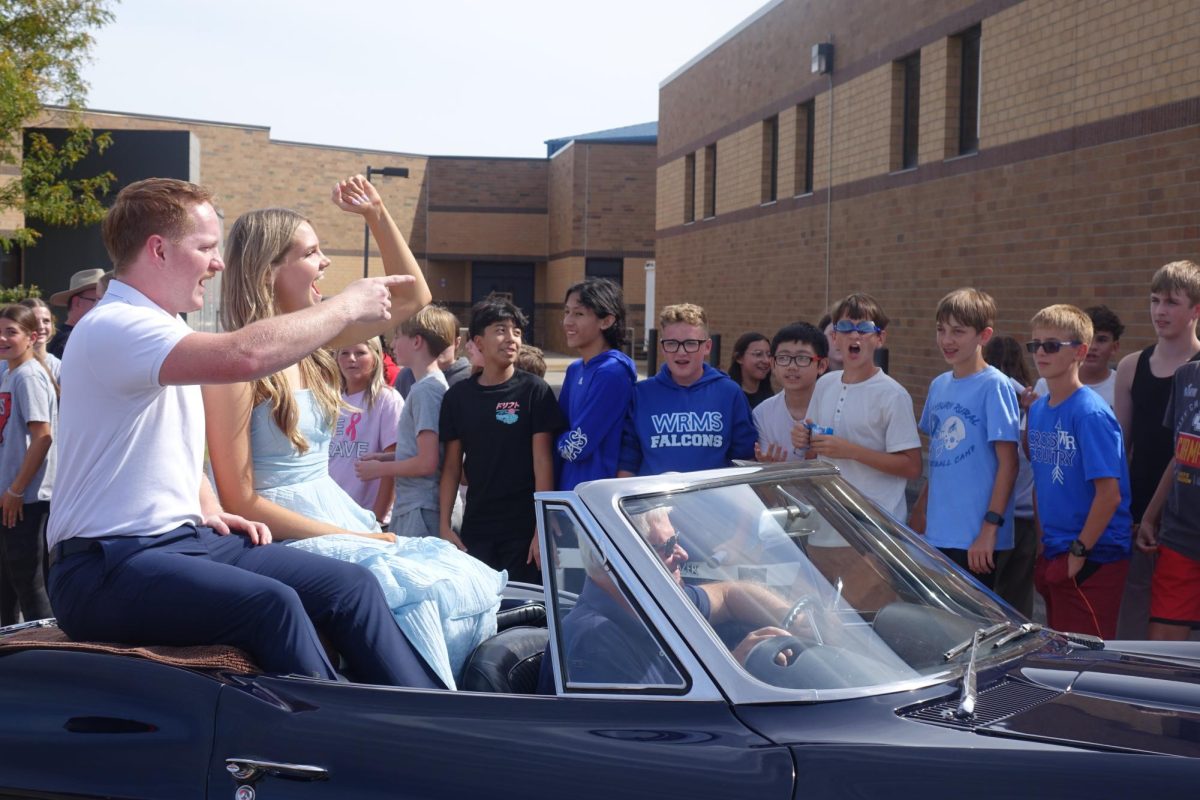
column 700, row 687
column 604, row 499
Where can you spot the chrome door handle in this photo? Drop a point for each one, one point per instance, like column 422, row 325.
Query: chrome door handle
column 251, row 769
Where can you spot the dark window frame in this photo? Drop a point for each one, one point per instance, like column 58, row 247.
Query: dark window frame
column 689, row 188
column 804, row 172
column 710, row 181
column 969, row 87
column 910, row 122
column 770, row 159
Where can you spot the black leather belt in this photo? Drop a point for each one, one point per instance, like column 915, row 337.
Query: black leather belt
column 72, row 547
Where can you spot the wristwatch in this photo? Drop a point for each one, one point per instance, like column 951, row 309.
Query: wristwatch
column 1079, row 549
column 994, row 518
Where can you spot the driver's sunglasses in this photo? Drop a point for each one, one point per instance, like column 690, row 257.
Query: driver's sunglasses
column 688, row 345
column 1051, row 346
column 866, row 327
column 801, row 360
column 665, row 549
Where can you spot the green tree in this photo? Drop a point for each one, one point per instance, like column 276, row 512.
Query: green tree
column 43, row 47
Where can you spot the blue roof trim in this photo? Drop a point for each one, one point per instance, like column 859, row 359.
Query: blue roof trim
column 645, row 133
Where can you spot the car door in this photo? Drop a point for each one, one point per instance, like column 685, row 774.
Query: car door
column 83, row 725
column 597, row 738
column 353, row 741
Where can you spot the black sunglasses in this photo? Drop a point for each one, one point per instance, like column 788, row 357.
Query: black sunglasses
column 665, row 549
column 1051, row 346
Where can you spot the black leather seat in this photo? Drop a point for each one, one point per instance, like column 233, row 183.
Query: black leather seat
column 528, row 614
column 507, row 663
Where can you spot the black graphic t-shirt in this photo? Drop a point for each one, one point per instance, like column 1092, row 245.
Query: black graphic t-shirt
column 1179, row 530
column 496, row 425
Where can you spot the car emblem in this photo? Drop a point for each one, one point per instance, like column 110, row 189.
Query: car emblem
column 244, row 793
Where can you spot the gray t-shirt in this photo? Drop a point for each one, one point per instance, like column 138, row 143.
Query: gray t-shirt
column 26, row 395
column 421, row 412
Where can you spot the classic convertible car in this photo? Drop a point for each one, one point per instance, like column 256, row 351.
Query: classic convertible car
column 757, row 632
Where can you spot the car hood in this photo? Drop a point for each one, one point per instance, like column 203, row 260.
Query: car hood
column 1142, row 699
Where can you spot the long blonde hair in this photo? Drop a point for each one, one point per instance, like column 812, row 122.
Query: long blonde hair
column 258, row 242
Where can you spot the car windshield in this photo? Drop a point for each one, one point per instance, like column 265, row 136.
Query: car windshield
column 810, row 586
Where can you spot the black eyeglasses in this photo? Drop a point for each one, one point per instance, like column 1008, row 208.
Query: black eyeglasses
column 802, row 360
column 688, row 345
column 1051, row 346
column 665, row 549
column 865, row 327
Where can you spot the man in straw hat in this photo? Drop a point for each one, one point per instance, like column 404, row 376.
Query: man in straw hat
column 79, row 299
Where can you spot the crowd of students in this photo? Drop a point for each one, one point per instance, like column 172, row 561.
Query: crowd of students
column 1043, row 467
column 1061, row 477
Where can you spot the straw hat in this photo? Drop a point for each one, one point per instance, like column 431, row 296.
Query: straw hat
column 80, row 282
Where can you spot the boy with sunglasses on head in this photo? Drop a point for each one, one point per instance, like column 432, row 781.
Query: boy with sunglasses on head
column 1081, row 482
column 689, row 416
column 799, row 356
column 862, row 418
column 973, row 423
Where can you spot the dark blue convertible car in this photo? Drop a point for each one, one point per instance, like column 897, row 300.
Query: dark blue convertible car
column 756, row 632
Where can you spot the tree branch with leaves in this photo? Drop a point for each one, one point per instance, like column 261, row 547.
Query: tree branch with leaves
column 44, row 45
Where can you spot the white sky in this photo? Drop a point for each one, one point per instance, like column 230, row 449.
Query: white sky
column 438, row 77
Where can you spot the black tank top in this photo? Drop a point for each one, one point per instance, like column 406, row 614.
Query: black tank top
column 1153, row 444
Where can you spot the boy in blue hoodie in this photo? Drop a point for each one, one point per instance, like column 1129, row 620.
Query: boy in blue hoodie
column 689, row 416
column 598, row 388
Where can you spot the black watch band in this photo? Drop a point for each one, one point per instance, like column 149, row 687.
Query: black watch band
column 1079, row 549
column 993, row 518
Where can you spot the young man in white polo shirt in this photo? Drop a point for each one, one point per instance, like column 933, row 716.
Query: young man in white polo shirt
column 141, row 551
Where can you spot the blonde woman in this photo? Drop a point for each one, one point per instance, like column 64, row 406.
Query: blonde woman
column 268, row 440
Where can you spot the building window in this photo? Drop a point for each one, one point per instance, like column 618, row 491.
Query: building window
column 710, row 181
column 770, row 160
column 805, row 139
column 909, row 74
column 611, row 268
column 689, row 188
column 968, row 91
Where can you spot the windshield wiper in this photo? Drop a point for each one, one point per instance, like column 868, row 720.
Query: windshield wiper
column 977, row 637
column 1025, row 629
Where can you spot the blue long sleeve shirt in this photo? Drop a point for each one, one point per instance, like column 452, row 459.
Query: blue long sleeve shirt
column 595, row 399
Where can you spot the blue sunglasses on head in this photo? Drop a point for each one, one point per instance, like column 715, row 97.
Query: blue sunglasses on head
column 865, row 327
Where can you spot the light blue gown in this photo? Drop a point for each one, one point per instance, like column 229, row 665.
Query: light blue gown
column 444, row 600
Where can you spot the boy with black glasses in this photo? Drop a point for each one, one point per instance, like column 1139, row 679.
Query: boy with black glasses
column 865, row 418
column 1081, row 482
column 799, row 355
column 689, row 416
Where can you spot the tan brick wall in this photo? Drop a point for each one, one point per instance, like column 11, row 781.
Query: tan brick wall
column 620, row 201
column 938, row 136
column 565, row 218
column 492, row 182
column 488, row 234
column 1087, row 226
column 1048, row 65
column 669, row 193
column 739, row 160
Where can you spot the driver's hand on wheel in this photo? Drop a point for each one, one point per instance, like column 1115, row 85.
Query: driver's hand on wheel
column 754, row 637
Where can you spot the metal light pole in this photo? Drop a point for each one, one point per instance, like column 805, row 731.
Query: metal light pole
column 389, row 172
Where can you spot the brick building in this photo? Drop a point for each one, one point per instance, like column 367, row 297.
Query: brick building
column 1044, row 150
column 528, row 227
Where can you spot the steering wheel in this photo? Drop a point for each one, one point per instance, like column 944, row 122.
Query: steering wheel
column 762, row 661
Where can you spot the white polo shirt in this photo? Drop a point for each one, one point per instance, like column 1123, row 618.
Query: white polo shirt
column 130, row 450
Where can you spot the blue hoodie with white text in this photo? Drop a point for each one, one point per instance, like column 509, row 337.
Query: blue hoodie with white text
column 673, row 428
column 595, row 399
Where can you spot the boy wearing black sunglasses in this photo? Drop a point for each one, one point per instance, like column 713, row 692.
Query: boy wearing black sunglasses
column 1081, row 482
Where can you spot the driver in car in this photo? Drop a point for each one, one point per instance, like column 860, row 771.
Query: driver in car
column 605, row 641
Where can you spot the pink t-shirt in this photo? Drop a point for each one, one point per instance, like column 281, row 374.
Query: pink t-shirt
column 358, row 433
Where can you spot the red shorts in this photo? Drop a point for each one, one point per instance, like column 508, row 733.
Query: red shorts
column 1175, row 589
